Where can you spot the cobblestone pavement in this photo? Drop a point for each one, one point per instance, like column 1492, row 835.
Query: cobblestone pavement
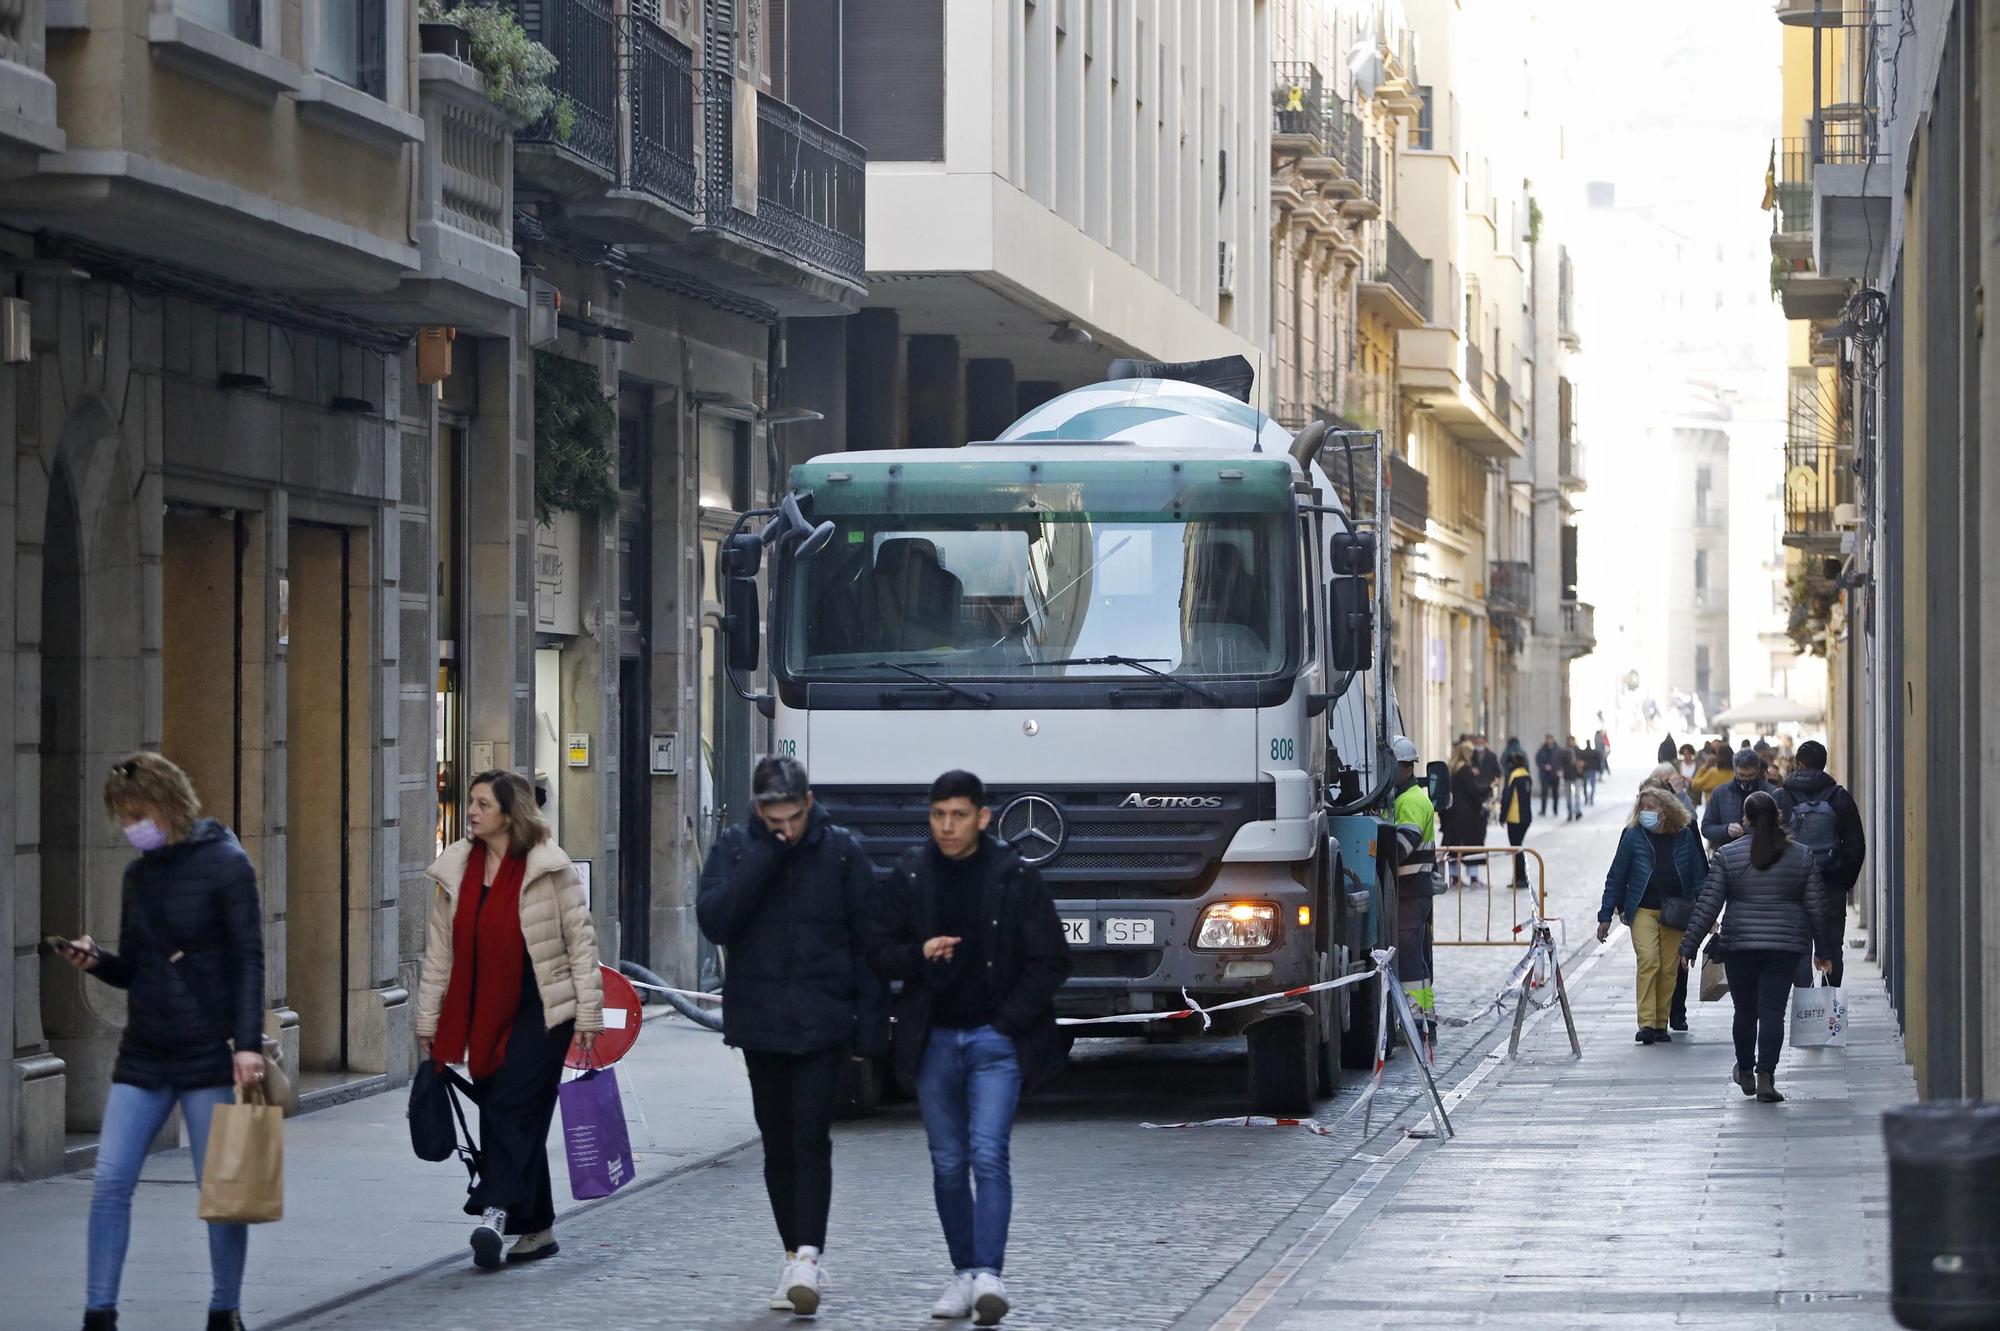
column 1114, row 1224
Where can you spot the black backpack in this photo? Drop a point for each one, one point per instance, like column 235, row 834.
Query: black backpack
column 433, row 1108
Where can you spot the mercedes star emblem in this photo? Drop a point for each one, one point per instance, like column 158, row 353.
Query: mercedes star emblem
column 1033, row 825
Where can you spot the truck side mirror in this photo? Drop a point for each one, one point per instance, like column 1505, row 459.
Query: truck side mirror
column 742, row 628
column 1350, row 629
column 1437, row 776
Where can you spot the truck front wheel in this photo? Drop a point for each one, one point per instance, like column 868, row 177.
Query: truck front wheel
column 1284, row 1063
column 1357, row 1037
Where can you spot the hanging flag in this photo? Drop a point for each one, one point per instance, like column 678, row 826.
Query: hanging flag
column 1771, row 182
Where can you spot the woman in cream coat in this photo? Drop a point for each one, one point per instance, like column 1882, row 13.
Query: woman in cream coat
column 510, row 977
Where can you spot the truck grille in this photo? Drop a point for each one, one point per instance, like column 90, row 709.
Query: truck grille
column 1109, row 852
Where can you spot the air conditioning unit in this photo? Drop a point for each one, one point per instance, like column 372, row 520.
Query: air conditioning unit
column 1846, row 516
column 1225, row 281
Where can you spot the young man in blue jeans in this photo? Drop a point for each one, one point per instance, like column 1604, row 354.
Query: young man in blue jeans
column 973, row 935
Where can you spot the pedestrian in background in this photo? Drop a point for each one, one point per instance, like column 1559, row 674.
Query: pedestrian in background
column 1491, row 768
column 972, row 934
column 510, row 979
column 1710, row 770
column 1465, row 815
column 1549, row 767
column 1668, row 777
column 788, row 892
column 1517, row 810
column 1777, row 915
column 1656, row 873
column 1827, row 822
column 1572, row 774
column 1722, row 822
column 191, row 960
column 1593, row 767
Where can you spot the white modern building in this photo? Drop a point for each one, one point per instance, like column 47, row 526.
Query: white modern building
column 1051, row 183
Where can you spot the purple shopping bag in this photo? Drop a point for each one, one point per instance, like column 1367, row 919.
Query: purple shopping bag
column 594, row 1137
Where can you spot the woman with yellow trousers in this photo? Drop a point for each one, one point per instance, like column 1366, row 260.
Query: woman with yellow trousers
column 1655, row 877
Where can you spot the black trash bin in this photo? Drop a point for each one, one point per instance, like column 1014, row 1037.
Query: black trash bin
column 1944, row 1214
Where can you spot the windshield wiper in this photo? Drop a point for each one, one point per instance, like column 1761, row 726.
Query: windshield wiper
column 978, row 697
column 1206, row 694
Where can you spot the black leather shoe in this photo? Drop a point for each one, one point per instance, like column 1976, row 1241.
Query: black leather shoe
column 1745, row 1080
column 1645, row 1035
column 225, row 1319
column 1661, row 1037
column 100, row 1319
column 1767, row 1088
column 1679, row 1024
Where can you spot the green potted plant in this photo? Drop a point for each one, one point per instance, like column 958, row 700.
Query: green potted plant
column 517, row 68
column 576, row 467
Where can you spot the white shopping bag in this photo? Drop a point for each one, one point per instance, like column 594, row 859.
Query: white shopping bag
column 1819, row 1018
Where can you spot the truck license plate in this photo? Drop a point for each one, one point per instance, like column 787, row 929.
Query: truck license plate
column 1076, row 932
column 1129, row 932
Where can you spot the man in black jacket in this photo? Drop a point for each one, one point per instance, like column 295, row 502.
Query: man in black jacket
column 1722, row 817
column 1827, row 821
column 973, row 935
column 1549, row 766
column 788, row 893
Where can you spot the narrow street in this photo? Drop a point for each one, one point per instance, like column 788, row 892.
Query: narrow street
column 1532, row 1216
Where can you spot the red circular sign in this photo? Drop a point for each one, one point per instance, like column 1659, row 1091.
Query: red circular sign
column 621, row 1024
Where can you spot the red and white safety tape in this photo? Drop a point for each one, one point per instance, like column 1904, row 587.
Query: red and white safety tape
column 695, row 994
column 1194, row 1009
column 1311, row 1125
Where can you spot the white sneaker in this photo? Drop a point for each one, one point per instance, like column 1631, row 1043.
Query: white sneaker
column 989, row 1299
column 802, row 1287
column 488, row 1238
column 781, row 1302
column 956, row 1301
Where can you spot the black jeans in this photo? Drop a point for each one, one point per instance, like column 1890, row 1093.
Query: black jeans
column 1760, row 984
column 793, row 1096
column 516, row 1106
column 1551, row 793
column 1677, row 1014
column 1516, row 834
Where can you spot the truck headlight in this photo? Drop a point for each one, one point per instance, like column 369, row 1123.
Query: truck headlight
column 1237, row 924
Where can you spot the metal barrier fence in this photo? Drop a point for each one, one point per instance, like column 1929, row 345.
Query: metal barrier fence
column 1485, row 928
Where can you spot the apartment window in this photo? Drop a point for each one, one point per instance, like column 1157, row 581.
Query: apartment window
column 1701, row 669
column 1703, row 479
column 241, row 19
column 1424, row 135
column 353, row 44
column 1701, row 572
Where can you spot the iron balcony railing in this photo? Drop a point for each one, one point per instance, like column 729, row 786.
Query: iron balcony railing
column 1409, row 493
column 1475, row 369
column 1510, row 587
column 1844, row 143
column 1355, row 149
column 1298, row 101
column 1569, row 459
column 662, row 75
column 581, row 34
column 1371, row 189
column 810, row 182
column 1398, row 264
column 1818, row 471
column 1503, row 400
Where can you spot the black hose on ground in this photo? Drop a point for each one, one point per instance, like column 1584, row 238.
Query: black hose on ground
column 701, row 1014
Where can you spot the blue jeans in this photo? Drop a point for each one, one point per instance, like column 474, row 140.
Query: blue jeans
column 968, row 1087
column 133, row 1116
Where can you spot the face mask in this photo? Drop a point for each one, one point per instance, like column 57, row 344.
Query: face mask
column 146, row 835
column 1649, row 819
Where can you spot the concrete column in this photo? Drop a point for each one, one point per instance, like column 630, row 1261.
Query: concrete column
column 1031, row 393
column 990, row 401
column 815, row 376
column 875, row 380
column 937, row 392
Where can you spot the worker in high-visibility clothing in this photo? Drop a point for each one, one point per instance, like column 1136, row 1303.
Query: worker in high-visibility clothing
column 1416, row 890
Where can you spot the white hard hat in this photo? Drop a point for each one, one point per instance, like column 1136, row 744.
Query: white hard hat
column 1403, row 749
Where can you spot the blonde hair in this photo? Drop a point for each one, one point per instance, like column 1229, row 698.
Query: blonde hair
column 146, row 783
column 526, row 828
column 1461, row 757
column 1674, row 815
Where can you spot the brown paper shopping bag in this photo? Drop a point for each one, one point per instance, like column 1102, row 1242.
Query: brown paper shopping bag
column 243, row 1174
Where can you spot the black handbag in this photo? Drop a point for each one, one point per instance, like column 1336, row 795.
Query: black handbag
column 436, row 1117
column 1676, row 912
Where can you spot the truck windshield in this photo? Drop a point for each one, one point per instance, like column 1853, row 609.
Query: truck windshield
column 994, row 595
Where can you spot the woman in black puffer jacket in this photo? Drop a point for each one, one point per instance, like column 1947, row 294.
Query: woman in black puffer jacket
column 191, row 957
column 1777, row 913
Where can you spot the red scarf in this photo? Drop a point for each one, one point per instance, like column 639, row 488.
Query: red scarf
column 484, row 995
